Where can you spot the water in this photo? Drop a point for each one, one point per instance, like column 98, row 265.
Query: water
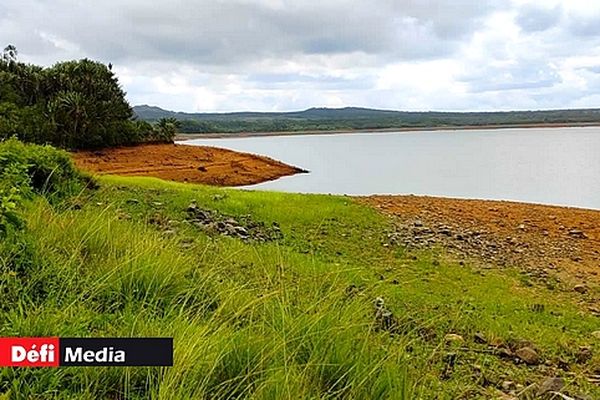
column 549, row 165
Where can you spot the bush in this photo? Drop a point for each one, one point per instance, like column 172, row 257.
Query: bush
column 32, row 169
column 9, row 218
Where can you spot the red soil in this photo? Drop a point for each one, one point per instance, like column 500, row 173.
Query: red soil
column 194, row 164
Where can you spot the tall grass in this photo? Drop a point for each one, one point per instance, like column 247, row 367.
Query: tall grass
column 86, row 273
column 292, row 318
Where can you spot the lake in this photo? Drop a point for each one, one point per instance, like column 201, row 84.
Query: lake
column 548, row 165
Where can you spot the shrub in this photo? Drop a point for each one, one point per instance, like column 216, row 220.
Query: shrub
column 39, row 169
column 9, row 218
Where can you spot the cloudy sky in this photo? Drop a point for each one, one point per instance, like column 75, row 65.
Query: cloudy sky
column 231, row 55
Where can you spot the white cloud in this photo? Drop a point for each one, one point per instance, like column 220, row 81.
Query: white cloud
column 201, row 55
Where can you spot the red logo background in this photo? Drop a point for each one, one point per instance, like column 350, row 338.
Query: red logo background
column 6, row 345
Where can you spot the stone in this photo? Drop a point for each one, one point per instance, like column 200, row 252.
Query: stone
column 552, row 384
column 596, row 334
column 576, row 233
column 528, row 355
column 581, row 288
column 240, row 230
column 480, row 338
column 445, row 231
column 584, row 354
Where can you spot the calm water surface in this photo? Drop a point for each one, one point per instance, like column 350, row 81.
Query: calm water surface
column 552, row 165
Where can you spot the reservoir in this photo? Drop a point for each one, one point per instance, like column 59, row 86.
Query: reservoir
column 558, row 166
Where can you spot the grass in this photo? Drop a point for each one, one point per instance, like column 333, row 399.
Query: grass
column 292, row 318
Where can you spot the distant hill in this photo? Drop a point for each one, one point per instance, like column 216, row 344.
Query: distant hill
column 355, row 118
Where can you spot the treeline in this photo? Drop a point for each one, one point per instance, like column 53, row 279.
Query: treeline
column 352, row 118
column 73, row 105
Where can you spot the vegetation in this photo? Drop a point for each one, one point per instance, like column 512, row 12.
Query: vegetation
column 290, row 317
column 351, row 118
column 74, row 105
column 319, row 305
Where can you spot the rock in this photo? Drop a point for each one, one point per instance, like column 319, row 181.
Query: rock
column 503, row 352
column 553, row 384
column 384, row 318
column 576, row 233
column 444, row 230
column 584, row 354
column 453, row 338
column 418, row 223
column 521, row 227
column 221, row 226
column 528, row 355
column 581, row 288
column 594, row 310
column 240, row 230
column 596, row 334
column 508, row 386
column 480, row 338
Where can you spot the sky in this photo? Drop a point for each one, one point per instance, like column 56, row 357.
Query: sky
column 282, row 55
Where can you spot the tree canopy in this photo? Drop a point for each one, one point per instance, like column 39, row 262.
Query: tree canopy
column 73, row 104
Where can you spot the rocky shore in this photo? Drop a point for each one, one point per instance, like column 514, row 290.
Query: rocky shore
column 546, row 242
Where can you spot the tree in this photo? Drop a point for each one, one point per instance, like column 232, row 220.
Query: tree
column 166, row 129
column 87, row 104
column 9, row 54
column 73, row 104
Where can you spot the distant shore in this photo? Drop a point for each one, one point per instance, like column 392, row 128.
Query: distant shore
column 192, row 136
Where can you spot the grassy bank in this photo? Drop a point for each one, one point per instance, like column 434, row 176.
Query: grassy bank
column 263, row 310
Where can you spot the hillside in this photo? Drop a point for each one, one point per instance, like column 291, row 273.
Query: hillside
column 351, row 118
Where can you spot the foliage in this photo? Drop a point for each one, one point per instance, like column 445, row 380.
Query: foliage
column 9, row 217
column 27, row 169
column 39, row 169
column 9, row 54
column 286, row 319
column 352, row 118
column 73, row 104
column 166, row 128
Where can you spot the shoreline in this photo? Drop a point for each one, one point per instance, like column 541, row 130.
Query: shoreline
column 183, row 163
column 181, row 137
column 539, row 239
column 534, row 237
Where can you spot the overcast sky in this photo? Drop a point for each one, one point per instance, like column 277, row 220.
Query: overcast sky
column 226, row 55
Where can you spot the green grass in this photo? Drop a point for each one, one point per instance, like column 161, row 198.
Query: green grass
column 292, row 318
